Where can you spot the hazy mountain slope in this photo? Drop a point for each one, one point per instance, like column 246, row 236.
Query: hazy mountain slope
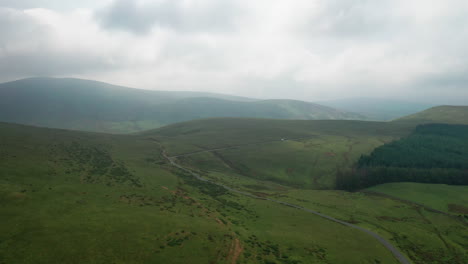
column 440, row 114
column 95, row 106
column 376, row 108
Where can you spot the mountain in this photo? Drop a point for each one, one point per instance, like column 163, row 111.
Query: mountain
column 376, row 108
column 440, row 114
column 95, row 106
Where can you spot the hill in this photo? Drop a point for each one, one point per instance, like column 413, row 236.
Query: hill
column 100, row 107
column 433, row 153
column 378, row 109
column 80, row 197
column 440, row 114
column 299, row 153
column 97, row 198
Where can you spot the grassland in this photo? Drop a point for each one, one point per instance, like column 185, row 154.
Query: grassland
column 265, row 170
column 81, row 197
column 446, row 198
column 72, row 197
column 440, row 114
column 305, row 154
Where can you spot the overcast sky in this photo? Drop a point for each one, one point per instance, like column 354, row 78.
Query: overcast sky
column 300, row 49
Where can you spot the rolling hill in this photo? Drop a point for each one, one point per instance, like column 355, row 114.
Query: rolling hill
column 378, row 109
column 440, row 114
column 83, row 197
column 79, row 197
column 100, row 107
column 299, row 153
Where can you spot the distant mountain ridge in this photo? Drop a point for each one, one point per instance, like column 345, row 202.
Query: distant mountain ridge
column 447, row 114
column 100, row 107
column 378, row 109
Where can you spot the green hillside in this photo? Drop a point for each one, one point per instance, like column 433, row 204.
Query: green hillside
column 433, row 153
column 447, row 198
column 80, row 197
column 306, row 154
column 378, row 109
column 440, row 114
column 100, row 107
column 93, row 198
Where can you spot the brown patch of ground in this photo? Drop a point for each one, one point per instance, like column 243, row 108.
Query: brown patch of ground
column 234, row 251
column 458, row 208
column 330, row 154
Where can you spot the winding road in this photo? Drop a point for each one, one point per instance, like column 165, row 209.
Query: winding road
column 172, row 160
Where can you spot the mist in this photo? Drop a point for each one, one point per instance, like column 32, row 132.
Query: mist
column 307, row 50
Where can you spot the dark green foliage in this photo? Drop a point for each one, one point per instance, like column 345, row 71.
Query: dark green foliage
column 207, row 188
column 434, row 153
column 96, row 164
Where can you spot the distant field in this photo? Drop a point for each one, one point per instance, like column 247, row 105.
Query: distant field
column 446, row 198
column 305, row 154
column 439, row 114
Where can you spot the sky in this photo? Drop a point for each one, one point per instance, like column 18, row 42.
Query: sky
column 310, row 50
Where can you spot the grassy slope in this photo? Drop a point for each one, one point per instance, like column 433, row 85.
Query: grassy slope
column 94, row 106
column 378, row 108
column 93, row 198
column 312, row 160
column 440, row 114
column 442, row 197
column 425, row 236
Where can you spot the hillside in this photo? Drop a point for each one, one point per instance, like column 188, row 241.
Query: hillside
column 100, row 107
column 99, row 198
column 440, row 114
column 378, row 109
column 433, row 153
column 299, row 153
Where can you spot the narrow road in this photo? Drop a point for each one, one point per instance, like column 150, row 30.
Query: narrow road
column 396, row 253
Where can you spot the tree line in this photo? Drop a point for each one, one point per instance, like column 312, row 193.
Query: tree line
column 434, row 153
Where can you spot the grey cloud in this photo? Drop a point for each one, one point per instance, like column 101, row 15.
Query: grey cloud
column 342, row 49
column 27, row 49
column 52, row 4
column 130, row 15
column 355, row 19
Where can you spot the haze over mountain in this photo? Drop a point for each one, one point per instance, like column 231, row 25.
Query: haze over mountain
column 447, row 114
column 303, row 50
column 95, row 106
column 378, row 108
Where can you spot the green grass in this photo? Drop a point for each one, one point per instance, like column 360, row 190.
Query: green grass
column 446, row 198
column 424, row 236
column 76, row 197
column 72, row 197
column 439, row 114
column 309, row 157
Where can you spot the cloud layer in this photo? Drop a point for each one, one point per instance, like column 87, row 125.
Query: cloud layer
column 302, row 49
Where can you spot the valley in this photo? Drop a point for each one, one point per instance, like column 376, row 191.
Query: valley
column 265, row 192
